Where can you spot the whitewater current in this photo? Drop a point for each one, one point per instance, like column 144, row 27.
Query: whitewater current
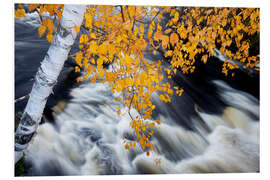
column 87, row 138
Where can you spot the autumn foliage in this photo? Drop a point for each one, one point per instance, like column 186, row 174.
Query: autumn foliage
column 120, row 36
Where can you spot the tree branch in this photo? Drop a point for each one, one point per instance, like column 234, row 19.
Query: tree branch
column 22, row 98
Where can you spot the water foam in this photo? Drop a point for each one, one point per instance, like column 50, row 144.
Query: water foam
column 87, row 138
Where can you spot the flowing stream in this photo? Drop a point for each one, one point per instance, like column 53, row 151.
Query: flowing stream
column 213, row 127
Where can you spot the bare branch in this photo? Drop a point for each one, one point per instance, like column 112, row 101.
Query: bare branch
column 22, row 98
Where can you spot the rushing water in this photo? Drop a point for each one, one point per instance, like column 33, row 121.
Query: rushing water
column 212, row 127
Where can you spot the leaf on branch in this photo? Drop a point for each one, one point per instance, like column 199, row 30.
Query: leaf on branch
column 49, row 37
column 77, row 29
column 20, row 13
column 165, row 40
column 84, row 38
column 204, row 59
column 41, row 30
column 118, row 111
column 20, row 6
column 127, row 146
column 168, row 31
column 32, row 7
column 77, row 69
column 158, row 122
column 93, row 36
column 174, row 38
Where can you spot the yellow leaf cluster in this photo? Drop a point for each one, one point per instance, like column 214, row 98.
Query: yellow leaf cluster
column 121, row 41
column 20, row 13
column 200, row 30
column 41, row 30
column 47, row 24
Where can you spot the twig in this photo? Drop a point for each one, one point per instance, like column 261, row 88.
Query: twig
column 122, row 13
column 22, row 98
column 130, row 106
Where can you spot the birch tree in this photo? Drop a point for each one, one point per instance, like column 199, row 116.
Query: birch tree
column 47, row 75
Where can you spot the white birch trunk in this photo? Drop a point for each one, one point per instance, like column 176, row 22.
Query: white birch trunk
column 47, row 75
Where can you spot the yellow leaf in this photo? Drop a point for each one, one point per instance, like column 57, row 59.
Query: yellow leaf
column 78, row 58
column 20, row 13
column 77, row 69
column 176, row 16
column 84, row 38
column 20, row 6
column 181, row 92
column 127, row 146
column 93, row 35
column 118, row 111
column 89, row 69
column 204, row 59
column 172, row 12
column 128, row 81
column 101, row 72
column 49, row 37
column 32, row 7
column 79, row 79
column 165, row 40
column 99, row 62
column 77, row 29
column 170, row 91
column 168, row 53
column 59, row 14
column 168, row 31
column 93, row 79
column 80, row 46
column 88, row 20
column 158, row 122
column 128, row 60
column 161, row 97
column 173, row 38
column 41, row 30
column 93, row 61
column 158, row 35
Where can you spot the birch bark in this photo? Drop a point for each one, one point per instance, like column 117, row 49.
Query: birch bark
column 47, row 75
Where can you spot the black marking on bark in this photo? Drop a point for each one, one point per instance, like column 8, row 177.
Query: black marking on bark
column 74, row 11
column 24, row 129
column 42, row 78
column 47, row 57
column 62, row 45
column 46, row 98
column 18, row 149
column 63, row 32
column 23, row 139
column 27, row 120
